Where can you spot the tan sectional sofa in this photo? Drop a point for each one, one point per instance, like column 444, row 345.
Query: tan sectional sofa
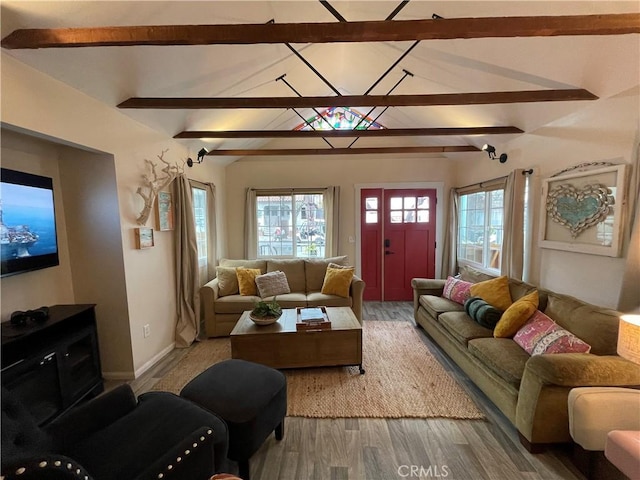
column 305, row 278
column 531, row 391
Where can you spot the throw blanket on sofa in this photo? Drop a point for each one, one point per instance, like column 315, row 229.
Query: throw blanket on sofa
column 482, row 312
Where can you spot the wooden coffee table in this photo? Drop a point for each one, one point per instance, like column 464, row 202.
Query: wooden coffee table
column 279, row 345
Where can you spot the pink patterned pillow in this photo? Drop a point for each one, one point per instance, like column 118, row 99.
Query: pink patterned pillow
column 542, row 335
column 457, row 290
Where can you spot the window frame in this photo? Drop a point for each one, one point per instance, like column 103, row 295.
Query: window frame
column 202, row 260
column 488, row 248
column 295, row 226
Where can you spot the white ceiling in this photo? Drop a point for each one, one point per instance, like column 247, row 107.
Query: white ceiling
column 604, row 65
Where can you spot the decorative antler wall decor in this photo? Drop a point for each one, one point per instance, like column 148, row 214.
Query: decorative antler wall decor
column 154, row 182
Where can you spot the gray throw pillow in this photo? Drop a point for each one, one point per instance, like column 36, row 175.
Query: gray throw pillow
column 272, row 284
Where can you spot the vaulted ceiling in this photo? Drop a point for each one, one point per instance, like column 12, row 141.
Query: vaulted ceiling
column 509, row 72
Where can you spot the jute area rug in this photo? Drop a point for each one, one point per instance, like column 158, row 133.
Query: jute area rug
column 402, row 379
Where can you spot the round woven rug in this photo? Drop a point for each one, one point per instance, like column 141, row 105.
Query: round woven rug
column 402, row 379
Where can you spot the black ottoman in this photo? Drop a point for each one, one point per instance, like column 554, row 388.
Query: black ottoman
column 250, row 397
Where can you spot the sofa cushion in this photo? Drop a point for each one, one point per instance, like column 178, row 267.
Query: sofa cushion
column 495, row 292
column 272, row 284
column 261, row 264
column 516, row 315
column 502, row 356
column 293, row 268
column 436, row 305
column 315, row 269
column 519, row 289
column 470, row 274
column 462, row 327
column 317, row 299
column 337, row 281
column 236, row 303
column 542, row 335
column 290, row 300
column 227, row 281
column 457, row 290
column 247, row 280
column 596, row 326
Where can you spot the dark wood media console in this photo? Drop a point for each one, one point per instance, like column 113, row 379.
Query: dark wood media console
column 53, row 365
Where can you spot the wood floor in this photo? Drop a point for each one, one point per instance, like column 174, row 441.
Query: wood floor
column 395, row 449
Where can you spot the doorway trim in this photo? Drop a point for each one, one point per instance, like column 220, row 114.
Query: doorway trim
column 437, row 186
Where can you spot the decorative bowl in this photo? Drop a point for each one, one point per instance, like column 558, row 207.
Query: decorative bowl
column 268, row 320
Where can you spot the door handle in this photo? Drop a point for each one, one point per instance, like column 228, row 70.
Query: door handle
column 387, row 252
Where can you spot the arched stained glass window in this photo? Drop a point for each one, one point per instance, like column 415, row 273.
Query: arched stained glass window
column 339, row 118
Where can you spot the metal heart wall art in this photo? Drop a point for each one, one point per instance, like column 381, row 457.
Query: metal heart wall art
column 580, row 209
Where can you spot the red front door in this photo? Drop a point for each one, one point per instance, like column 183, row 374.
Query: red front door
column 398, row 240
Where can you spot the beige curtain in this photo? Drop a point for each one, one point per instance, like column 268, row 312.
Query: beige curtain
column 450, row 250
column 513, row 240
column 250, row 223
column 212, row 238
column 629, row 299
column 332, row 220
column 187, row 298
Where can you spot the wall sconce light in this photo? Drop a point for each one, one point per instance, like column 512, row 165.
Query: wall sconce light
column 203, row 151
column 491, row 151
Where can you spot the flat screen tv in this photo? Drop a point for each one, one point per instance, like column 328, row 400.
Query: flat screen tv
column 28, row 238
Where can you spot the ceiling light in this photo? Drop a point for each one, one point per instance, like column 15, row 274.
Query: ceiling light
column 491, row 151
column 201, row 154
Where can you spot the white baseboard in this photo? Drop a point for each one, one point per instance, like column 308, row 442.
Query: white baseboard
column 133, row 375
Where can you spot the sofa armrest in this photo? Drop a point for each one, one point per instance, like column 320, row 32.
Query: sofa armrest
column 46, row 466
column 425, row 286
column 209, row 293
column 92, row 416
column 199, row 462
column 542, row 409
column 356, row 290
column 583, row 370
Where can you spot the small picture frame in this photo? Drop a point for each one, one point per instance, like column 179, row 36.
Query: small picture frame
column 164, row 211
column 144, row 237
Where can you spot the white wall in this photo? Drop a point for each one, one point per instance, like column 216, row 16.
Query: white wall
column 46, row 107
column 605, row 130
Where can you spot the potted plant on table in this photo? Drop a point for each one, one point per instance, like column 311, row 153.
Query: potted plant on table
column 266, row 313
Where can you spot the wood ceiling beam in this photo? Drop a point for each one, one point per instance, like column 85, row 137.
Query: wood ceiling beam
column 440, row 99
column 383, row 132
column 326, row 32
column 340, row 151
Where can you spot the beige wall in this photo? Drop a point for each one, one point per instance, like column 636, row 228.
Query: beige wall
column 52, row 285
column 44, row 107
column 345, row 172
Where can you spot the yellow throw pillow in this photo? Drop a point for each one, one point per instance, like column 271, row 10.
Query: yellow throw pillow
column 337, row 281
column 516, row 316
column 247, row 280
column 495, row 292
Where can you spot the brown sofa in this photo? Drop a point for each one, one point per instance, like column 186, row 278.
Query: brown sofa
column 305, row 278
column 531, row 391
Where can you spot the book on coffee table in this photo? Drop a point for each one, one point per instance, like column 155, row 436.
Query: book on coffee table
column 314, row 314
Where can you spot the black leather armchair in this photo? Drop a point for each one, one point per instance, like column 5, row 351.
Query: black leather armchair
column 115, row 437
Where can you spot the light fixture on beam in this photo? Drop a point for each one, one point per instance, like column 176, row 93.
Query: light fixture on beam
column 491, row 151
column 203, row 151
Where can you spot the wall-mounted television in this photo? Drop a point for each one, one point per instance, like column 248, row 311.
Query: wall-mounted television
column 28, row 239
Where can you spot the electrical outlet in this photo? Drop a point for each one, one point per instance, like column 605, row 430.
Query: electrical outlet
column 147, row 330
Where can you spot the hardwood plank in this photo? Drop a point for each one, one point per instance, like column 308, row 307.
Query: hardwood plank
column 326, row 32
column 414, row 100
column 382, row 132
